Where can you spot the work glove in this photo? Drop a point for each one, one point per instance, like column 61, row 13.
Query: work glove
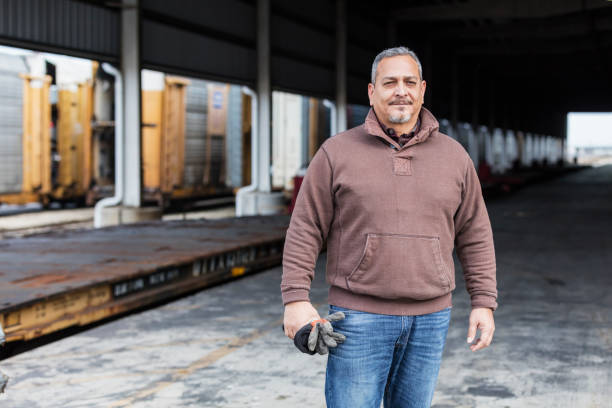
column 3, row 377
column 3, row 380
column 317, row 336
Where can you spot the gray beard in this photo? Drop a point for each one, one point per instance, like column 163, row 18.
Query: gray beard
column 400, row 118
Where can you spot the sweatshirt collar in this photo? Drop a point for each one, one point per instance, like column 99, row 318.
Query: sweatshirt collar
column 391, row 132
column 428, row 124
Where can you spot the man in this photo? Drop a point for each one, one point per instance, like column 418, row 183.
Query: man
column 392, row 197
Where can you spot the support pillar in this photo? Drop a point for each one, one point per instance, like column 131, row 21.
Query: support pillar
column 266, row 201
column 341, row 65
column 130, row 67
column 264, row 93
column 128, row 182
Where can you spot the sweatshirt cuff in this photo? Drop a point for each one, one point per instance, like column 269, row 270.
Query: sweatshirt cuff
column 295, row 295
column 484, row 301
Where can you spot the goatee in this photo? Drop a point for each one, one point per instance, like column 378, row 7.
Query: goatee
column 400, row 118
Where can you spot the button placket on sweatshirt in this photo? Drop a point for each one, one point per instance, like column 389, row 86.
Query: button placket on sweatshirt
column 402, row 161
column 402, row 165
column 402, row 157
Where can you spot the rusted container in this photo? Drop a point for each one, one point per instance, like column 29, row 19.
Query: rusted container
column 33, row 150
column 163, row 136
column 11, row 124
column 74, row 142
column 35, row 142
column 25, row 152
column 192, row 139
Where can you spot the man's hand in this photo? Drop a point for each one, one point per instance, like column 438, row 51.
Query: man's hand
column 481, row 318
column 297, row 314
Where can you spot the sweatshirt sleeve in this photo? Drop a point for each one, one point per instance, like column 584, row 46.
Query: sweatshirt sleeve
column 474, row 243
column 308, row 228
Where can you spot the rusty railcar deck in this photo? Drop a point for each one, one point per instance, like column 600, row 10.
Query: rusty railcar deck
column 53, row 281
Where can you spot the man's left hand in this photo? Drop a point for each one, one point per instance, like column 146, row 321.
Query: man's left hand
column 481, row 318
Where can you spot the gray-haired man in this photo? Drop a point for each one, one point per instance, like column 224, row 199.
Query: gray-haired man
column 393, row 198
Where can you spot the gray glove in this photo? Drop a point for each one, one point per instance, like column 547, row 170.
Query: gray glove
column 322, row 336
column 3, row 380
column 3, row 377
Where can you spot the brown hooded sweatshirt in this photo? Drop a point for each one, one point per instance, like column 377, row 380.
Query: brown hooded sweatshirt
column 391, row 216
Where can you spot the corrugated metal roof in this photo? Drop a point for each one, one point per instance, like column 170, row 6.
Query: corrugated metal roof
column 75, row 28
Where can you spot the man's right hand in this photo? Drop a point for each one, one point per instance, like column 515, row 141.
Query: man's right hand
column 298, row 314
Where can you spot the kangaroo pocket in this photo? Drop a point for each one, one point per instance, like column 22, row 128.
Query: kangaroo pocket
column 395, row 266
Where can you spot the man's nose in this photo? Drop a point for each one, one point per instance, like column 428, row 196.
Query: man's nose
column 401, row 89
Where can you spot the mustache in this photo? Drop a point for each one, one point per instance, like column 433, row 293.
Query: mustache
column 401, row 102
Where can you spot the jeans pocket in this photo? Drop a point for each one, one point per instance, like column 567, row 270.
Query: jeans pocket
column 334, row 308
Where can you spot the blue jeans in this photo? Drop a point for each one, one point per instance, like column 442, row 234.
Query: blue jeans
column 395, row 357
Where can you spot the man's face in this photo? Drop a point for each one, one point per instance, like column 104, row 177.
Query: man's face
column 397, row 95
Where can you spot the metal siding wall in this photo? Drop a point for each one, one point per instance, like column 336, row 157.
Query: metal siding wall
column 367, row 32
column 234, row 137
column 303, row 59
column 217, row 40
column 290, row 74
column 11, row 116
column 359, row 73
column 367, row 38
column 195, row 132
column 231, row 17
column 170, row 48
column 323, row 12
column 302, row 41
column 63, row 25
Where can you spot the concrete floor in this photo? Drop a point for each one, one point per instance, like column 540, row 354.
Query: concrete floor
column 224, row 347
column 18, row 225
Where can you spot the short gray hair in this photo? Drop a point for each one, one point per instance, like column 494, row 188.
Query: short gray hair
column 394, row 52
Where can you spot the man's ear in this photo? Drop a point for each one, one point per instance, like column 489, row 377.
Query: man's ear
column 424, row 86
column 370, row 92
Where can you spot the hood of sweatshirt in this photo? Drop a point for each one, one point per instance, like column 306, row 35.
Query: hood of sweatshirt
column 429, row 124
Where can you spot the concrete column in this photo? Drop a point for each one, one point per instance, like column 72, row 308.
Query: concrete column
column 264, row 93
column 129, row 181
column 341, row 65
column 130, row 67
column 266, row 201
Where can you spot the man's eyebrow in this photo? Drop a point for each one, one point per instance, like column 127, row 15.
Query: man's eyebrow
column 395, row 78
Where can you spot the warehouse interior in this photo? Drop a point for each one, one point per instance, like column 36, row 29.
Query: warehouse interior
column 516, row 66
column 221, row 105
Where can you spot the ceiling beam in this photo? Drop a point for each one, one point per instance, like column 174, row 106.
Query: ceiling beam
column 515, row 47
column 498, row 9
column 574, row 25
